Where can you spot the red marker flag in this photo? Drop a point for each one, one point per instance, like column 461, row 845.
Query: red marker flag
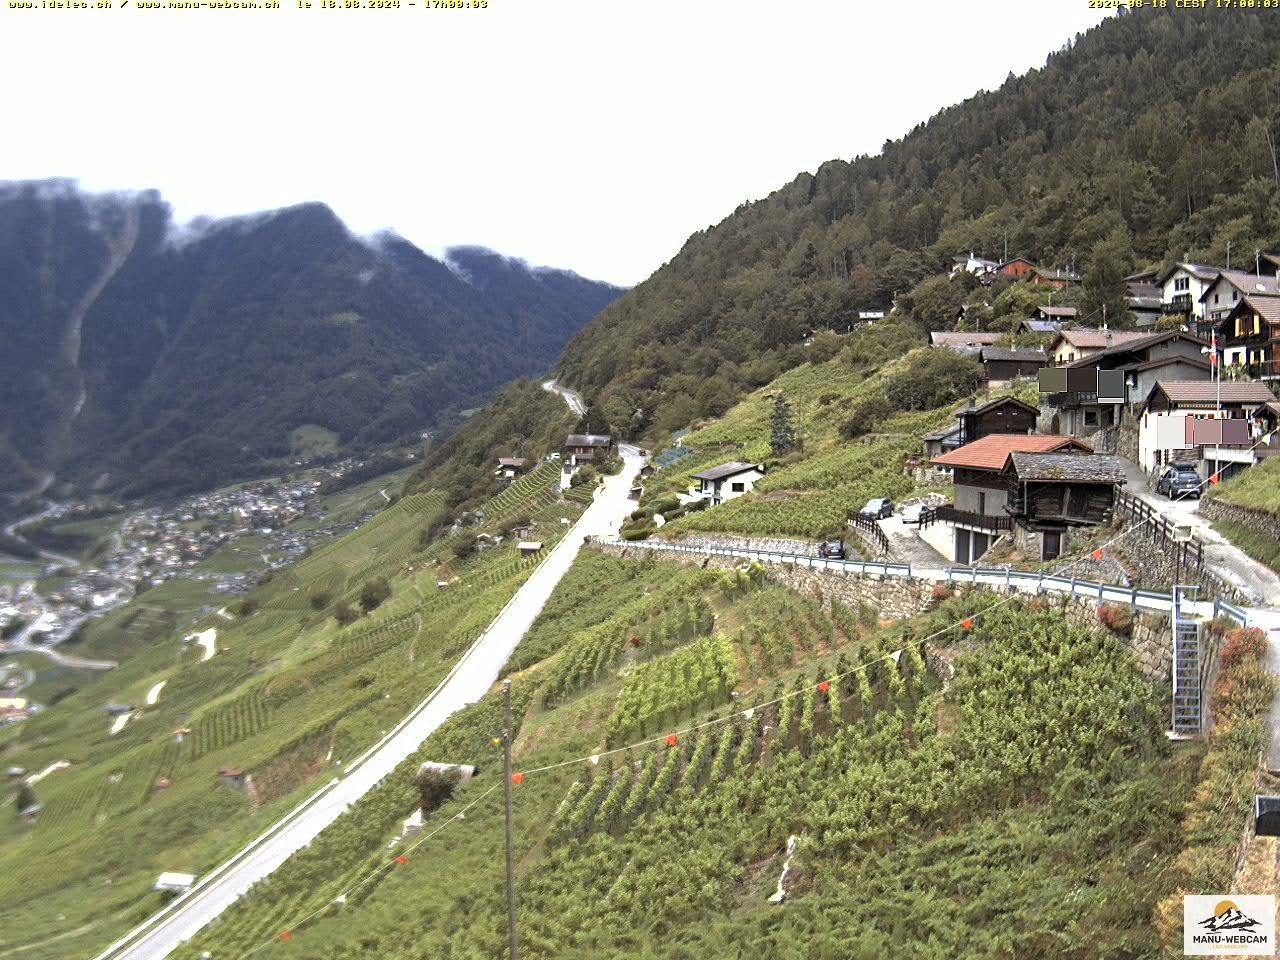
column 1097, row 554
column 671, row 739
column 823, row 686
column 284, row 934
column 1214, row 479
column 402, row 859
column 517, row 778
column 967, row 623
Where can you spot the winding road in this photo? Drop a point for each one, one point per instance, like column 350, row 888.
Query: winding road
column 472, row 677
column 573, row 399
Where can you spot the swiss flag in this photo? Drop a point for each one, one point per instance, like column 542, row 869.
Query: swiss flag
column 967, row 623
column 671, row 739
column 517, row 778
column 823, row 686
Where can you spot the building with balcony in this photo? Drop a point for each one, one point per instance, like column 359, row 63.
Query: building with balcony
column 978, row 516
column 1223, row 426
column 1249, row 338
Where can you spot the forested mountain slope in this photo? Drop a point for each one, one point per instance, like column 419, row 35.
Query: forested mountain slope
column 155, row 359
column 1152, row 137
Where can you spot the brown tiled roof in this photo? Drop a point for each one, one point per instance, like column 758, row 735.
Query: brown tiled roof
column 1206, row 391
column 1064, row 312
column 998, row 402
column 1249, row 283
column 991, row 452
column 1266, row 307
column 1080, row 467
column 512, row 461
column 1095, row 339
column 1138, row 341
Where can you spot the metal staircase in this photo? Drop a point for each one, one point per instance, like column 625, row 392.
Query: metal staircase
column 1186, row 677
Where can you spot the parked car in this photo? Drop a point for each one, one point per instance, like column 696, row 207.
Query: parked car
column 878, row 508
column 911, row 514
column 832, row 549
column 1179, row 480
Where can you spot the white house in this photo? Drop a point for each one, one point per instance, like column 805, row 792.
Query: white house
column 729, row 480
column 976, row 265
column 1184, row 284
column 1221, row 296
column 1241, row 415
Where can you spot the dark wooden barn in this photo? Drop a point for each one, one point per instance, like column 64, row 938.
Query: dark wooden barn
column 1053, row 490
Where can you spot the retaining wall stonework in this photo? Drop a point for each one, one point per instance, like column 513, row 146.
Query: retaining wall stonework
column 1261, row 520
column 898, row 598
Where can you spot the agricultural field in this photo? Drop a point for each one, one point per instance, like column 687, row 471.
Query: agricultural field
column 289, row 692
column 676, row 752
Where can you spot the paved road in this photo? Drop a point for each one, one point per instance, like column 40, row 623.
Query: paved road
column 906, row 545
column 1256, row 581
column 471, row 678
column 574, row 400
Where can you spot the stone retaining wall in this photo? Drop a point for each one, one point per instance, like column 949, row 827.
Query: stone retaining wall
column 1261, row 520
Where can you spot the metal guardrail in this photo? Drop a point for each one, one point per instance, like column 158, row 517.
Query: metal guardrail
column 1221, row 608
column 1006, row 577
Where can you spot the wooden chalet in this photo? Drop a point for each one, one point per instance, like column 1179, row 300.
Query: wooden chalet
column 1001, row 364
column 1249, row 337
column 1051, row 493
column 585, row 447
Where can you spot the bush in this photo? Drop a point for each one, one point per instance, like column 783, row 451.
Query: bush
column 1117, row 618
column 941, row 591
column 320, row 599
column 639, row 532
column 374, row 592
column 1243, row 644
column 345, row 615
column 246, row 608
column 866, row 414
column 435, row 787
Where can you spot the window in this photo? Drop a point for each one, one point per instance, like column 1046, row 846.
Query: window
column 738, row 487
column 1182, row 283
column 982, row 503
column 1235, row 296
column 1091, row 418
column 1215, row 298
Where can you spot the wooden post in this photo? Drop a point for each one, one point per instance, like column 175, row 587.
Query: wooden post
column 506, row 766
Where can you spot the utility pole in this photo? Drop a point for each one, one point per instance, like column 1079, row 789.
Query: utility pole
column 506, row 769
column 1228, row 254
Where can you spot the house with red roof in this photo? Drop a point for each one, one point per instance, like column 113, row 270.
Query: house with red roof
column 978, row 515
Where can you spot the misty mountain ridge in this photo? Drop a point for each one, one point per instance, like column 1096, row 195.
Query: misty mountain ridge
column 147, row 356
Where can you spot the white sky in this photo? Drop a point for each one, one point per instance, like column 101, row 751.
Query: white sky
column 595, row 135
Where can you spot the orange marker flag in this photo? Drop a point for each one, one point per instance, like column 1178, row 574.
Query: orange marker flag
column 823, row 686
column 285, row 934
column 402, row 859
column 1214, row 479
column 1097, row 554
column 517, row 778
column 671, row 739
column 967, row 623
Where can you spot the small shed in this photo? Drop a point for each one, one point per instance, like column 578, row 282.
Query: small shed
column 231, row 777
column 528, row 548
column 169, row 882
column 1048, row 490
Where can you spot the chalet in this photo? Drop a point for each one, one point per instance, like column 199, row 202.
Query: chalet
column 968, row 342
column 1002, row 415
column 585, row 447
column 1183, row 285
column 941, row 441
column 978, row 516
column 1071, row 345
column 1144, row 303
column 1249, row 337
column 1057, row 316
column 728, row 481
column 1221, row 296
column 1055, row 278
column 510, row 467
column 1001, row 364
column 1137, row 364
column 1229, row 425
column 1019, row 268
column 1050, row 494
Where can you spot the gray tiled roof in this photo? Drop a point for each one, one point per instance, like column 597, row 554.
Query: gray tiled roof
column 726, row 470
column 1081, row 468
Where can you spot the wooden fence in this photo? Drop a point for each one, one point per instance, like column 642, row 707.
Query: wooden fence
column 1188, row 553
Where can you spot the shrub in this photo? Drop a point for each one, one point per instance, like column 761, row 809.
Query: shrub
column 1243, row 644
column 931, row 378
column 320, row 599
column 374, row 592
column 866, row 414
column 1117, row 618
column 246, row 608
column 639, row 532
column 345, row 615
column 941, row 591
column 435, row 787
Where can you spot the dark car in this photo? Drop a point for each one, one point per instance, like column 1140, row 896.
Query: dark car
column 832, row 549
column 877, row 509
column 1179, row 480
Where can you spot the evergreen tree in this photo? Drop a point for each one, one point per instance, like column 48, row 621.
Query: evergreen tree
column 783, row 439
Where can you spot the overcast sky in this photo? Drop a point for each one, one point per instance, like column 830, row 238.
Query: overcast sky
column 589, row 134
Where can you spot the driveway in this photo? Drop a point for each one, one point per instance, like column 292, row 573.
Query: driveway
column 470, row 679
column 1257, row 582
column 907, row 546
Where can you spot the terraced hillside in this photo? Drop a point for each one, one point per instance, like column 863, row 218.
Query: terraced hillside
column 290, row 693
